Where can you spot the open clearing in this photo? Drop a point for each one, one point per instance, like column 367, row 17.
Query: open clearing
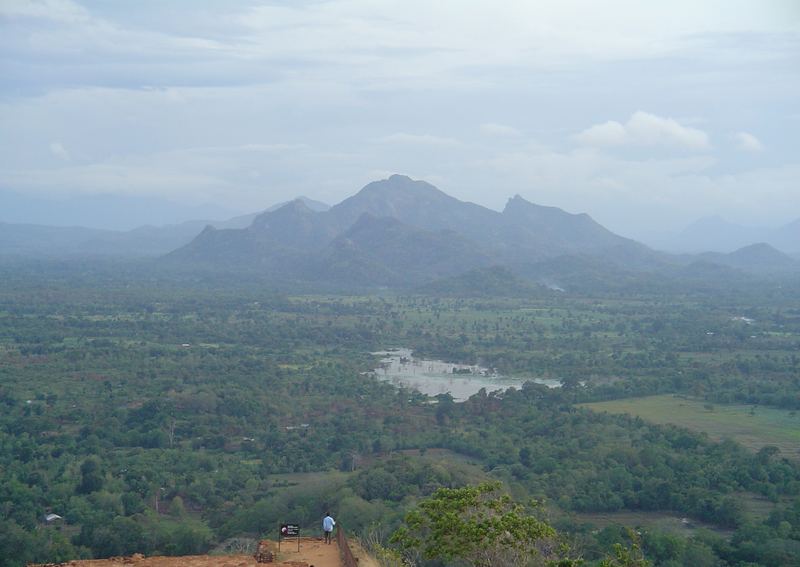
column 756, row 507
column 765, row 426
column 663, row 522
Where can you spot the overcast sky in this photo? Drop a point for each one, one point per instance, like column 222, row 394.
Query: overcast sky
column 647, row 115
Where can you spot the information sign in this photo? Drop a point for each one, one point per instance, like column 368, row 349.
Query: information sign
column 289, row 531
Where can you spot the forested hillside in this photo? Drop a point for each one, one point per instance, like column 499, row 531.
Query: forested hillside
column 178, row 417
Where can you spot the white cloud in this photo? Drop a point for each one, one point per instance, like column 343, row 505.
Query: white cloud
column 494, row 129
column 58, row 10
column 419, row 140
column 610, row 133
column 645, row 129
column 58, row 150
column 269, row 148
column 247, row 83
column 640, row 195
column 363, row 43
column 747, row 142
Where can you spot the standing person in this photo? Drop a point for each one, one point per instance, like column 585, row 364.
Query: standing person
column 327, row 526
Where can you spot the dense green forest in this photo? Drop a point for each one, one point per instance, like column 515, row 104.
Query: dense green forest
column 185, row 416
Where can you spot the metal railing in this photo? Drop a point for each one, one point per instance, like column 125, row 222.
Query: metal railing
column 348, row 559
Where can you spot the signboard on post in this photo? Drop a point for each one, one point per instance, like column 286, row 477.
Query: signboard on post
column 289, row 531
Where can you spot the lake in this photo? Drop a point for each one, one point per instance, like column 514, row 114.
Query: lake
column 433, row 377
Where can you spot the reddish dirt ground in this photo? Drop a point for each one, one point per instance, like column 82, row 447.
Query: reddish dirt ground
column 312, row 552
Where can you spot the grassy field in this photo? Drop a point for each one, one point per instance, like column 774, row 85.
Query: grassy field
column 663, row 522
column 764, row 426
column 755, row 506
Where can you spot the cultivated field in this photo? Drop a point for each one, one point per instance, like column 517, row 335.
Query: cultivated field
column 753, row 427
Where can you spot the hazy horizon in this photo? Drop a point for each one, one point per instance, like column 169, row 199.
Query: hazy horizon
column 81, row 210
column 646, row 117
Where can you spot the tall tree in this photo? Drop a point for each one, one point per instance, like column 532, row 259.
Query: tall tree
column 477, row 525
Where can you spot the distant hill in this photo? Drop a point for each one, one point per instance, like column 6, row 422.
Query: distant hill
column 715, row 234
column 316, row 206
column 243, row 221
column 399, row 232
column 757, row 258
column 142, row 242
column 405, row 233
column 550, row 231
column 398, row 253
column 523, row 229
column 32, row 240
column 415, row 203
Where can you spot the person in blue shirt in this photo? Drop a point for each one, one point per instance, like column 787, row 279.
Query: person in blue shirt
column 327, row 526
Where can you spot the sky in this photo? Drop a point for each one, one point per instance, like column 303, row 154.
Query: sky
column 646, row 115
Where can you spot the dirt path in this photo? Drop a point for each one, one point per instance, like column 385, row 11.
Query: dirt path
column 315, row 552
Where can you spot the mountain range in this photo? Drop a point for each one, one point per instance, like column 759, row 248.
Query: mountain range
column 397, row 231
column 400, row 232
